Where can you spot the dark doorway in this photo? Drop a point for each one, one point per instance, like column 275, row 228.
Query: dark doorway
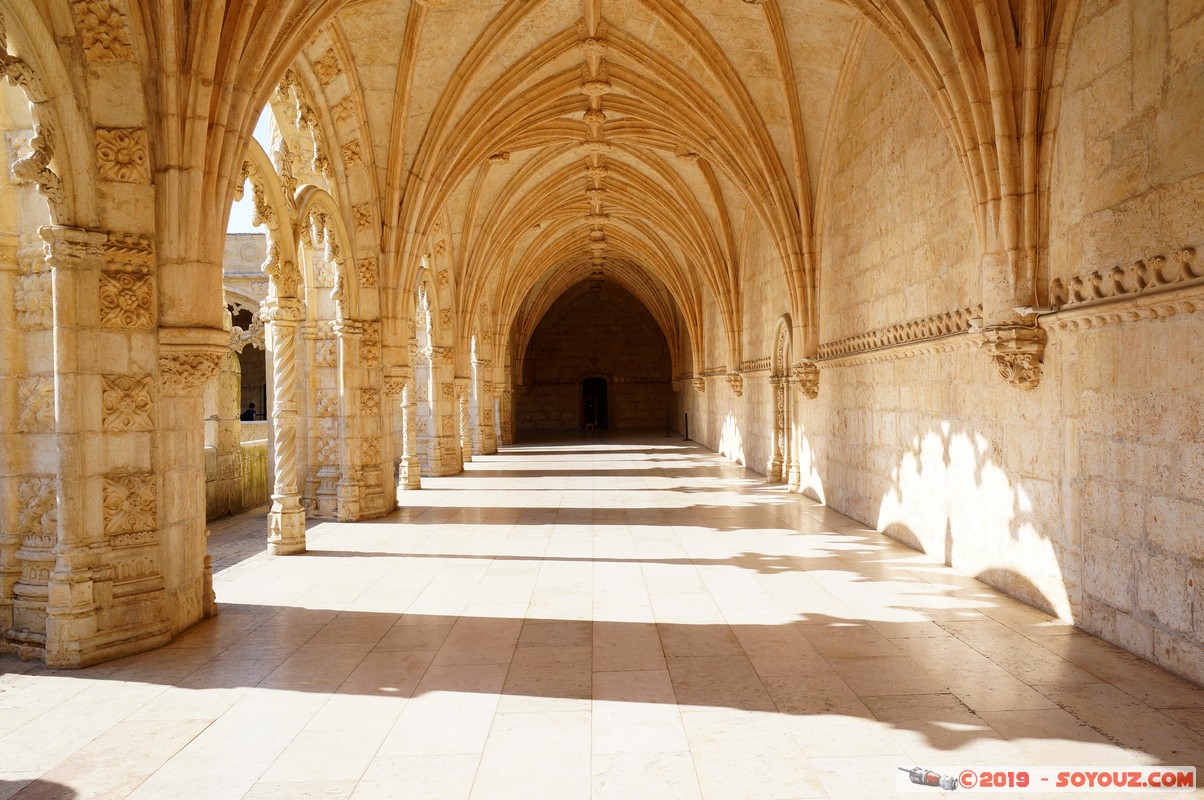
column 593, row 403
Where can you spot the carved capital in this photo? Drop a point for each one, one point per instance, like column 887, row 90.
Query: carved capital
column 281, row 311
column 185, row 372
column 699, row 384
column 1017, row 352
column 805, row 376
column 189, row 357
column 736, row 381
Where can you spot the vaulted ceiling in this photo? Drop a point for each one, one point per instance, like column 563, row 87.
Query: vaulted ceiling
column 540, row 142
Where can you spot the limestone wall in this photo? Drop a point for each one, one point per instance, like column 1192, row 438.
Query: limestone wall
column 1128, row 192
column 1082, row 496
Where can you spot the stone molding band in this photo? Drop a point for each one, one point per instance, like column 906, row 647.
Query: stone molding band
column 935, row 327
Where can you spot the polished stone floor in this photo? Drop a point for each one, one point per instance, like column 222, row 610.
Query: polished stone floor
column 611, row 618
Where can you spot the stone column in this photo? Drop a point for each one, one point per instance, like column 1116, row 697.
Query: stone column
column 60, row 568
column 485, row 410
column 773, row 470
column 350, row 486
column 507, row 418
column 446, row 450
column 463, row 386
column 286, row 520
column 399, row 386
column 188, row 359
column 409, row 425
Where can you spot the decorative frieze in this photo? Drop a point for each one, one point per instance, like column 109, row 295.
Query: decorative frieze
column 122, row 155
column 715, row 372
column 126, row 301
column 35, row 404
column 934, row 327
column 132, row 569
column 1120, row 283
column 129, row 502
column 127, row 403
column 756, row 365
column 134, row 539
column 104, row 31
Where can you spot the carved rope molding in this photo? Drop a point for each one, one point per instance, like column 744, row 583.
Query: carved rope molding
column 1146, row 289
column 757, row 365
column 904, row 333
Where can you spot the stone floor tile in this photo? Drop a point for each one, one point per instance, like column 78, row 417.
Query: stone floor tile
column 665, row 776
column 639, row 619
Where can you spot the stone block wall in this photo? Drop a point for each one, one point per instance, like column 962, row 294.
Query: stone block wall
column 1081, row 496
column 595, row 332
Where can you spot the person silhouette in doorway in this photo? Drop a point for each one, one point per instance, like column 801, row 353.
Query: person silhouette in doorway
column 249, row 414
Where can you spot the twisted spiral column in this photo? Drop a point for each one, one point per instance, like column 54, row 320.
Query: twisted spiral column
column 286, row 520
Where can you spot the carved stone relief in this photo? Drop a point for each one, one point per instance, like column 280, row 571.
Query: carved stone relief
column 129, row 503
column 370, row 346
column 187, row 372
column 326, row 451
column 353, row 153
column 37, row 518
column 127, row 403
column 361, row 217
column 32, row 300
column 366, row 268
column 370, row 450
column 327, row 68
column 121, row 155
column 104, row 32
column 126, row 301
column 343, row 110
column 35, row 403
column 1017, row 353
column 805, row 377
column 370, row 401
column 326, row 403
